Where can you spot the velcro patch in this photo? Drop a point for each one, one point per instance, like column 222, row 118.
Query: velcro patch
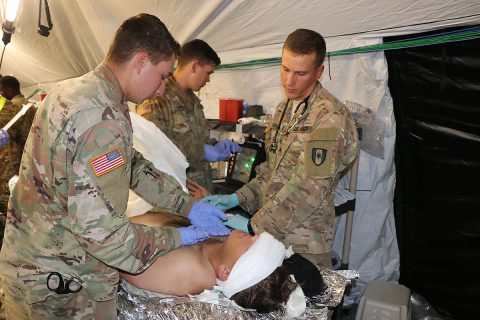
column 107, row 161
column 320, row 152
column 144, row 109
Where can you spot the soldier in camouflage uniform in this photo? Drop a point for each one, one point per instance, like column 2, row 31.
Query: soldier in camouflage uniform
column 179, row 113
column 11, row 154
column 310, row 141
column 66, row 216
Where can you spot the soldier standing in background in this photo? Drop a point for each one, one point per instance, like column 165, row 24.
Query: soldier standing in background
column 11, row 153
column 179, row 113
column 311, row 140
column 67, row 233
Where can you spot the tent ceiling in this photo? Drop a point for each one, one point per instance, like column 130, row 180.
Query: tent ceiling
column 83, row 29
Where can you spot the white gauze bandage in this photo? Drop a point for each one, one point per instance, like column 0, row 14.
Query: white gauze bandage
column 257, row 263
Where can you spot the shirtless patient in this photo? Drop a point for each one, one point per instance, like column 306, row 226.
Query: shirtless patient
column 192, row 269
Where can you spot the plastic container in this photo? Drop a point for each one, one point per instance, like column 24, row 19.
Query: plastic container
column 234, row 109
column 222, row 112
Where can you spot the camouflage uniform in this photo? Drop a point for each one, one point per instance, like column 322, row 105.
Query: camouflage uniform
column 179, row 114
column 292, row 196
column 11, row 154
column 67, row 215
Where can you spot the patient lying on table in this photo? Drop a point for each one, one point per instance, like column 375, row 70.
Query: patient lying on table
column 247, row 269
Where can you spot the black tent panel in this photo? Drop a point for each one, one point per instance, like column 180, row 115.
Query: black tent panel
column 436, row 98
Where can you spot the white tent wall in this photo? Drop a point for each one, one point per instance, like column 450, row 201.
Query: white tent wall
column 83, row 29
column 247, row 30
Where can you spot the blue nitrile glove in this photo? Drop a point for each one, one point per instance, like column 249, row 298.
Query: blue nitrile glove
column 227, row 146
column 211, row 154
column 222, row 201
column 191, row 235
column 208, row 218
column 220, row 151
column 238, row 222
column 4, row 137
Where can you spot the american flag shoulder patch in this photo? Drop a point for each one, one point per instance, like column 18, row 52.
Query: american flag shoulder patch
column 107, row 161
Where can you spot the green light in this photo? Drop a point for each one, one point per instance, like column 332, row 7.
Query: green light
column 252, row 159
column 247, row 165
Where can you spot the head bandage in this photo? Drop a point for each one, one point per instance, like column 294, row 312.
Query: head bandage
column 260, row 260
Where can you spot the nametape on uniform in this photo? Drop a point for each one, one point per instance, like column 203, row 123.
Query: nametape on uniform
column 144, row 109
column 107, row 161
column 302, row 129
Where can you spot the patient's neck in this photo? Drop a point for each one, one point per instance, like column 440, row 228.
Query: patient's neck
column 211, row 252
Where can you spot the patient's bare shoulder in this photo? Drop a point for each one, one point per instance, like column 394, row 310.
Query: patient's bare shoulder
column 180, row 272
column 198, row 273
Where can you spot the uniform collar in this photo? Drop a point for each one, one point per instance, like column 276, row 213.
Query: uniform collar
column 105, row 73
column 187, row 95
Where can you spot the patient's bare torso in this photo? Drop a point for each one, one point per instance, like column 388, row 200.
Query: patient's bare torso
column 182, row 271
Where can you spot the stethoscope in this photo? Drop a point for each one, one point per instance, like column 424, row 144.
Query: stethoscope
column 296, row 118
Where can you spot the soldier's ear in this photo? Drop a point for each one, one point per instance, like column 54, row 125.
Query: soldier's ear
column 140, row 60
column 194, row 65
column 319, row 71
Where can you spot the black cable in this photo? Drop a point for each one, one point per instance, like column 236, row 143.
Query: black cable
column 1, row 60
column 44, row 30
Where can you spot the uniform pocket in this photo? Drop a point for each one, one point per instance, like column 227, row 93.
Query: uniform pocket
column 321, row 154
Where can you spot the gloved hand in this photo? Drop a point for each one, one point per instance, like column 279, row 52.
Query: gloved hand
column 222, row 201
column 208, row 218
column 227, row 146
column 4, row 137
column 238, row 222
column 191, row 235
column 220, row 151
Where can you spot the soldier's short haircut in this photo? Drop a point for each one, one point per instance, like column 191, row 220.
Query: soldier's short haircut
column 200, row 50
column 11, row 83
column 143, row 33
column 304, row 41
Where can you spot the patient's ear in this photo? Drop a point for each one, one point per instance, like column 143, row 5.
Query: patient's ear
column 223, row 272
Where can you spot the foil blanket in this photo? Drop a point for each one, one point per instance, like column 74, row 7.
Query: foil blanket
column 134, row 303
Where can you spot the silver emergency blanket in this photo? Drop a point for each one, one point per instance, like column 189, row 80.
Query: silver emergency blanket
column 134, row 303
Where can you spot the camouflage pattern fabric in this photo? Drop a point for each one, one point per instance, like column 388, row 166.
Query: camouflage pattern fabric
column 77, row 307
column 179, row 114
column 11, row 154
column 67, row 211
column 292, row 196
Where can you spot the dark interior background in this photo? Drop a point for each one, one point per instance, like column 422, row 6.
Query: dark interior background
column 436, row 98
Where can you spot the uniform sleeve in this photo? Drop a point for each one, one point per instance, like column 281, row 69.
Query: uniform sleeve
column 309, row 187
column 98, row 193
column 158, row 188
column 26, row 124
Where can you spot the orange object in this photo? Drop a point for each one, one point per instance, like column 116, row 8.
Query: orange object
column 234, row 109
column 222, row 114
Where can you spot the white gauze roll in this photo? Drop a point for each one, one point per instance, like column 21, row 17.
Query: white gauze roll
column 257, row 263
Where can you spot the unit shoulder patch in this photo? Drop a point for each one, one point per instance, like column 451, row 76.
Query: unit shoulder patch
column 143, row 109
